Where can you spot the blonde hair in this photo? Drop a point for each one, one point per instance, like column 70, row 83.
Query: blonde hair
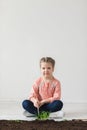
column 48, row 60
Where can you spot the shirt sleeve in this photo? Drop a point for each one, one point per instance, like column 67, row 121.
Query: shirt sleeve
column 34, row 94
column 57, row 92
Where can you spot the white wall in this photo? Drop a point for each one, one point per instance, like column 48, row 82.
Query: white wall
column 31, row 29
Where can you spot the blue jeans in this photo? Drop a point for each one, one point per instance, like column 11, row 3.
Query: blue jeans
column 49, row 107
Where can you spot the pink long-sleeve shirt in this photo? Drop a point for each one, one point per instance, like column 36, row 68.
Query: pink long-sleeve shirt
column 42, row 90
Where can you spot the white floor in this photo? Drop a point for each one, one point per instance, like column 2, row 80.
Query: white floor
column 14, row 111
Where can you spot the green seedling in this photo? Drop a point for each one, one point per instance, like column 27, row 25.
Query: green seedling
column 17, row 120
column 43, row 115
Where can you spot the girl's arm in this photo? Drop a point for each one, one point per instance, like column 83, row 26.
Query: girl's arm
column 34, row 95
column 56, row 95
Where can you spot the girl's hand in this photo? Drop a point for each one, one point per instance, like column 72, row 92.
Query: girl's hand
column 36, row 103
column 42, row 103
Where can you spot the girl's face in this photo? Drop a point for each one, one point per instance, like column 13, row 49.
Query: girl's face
column 46, row 69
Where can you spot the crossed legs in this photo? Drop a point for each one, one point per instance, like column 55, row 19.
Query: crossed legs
column 50, row 107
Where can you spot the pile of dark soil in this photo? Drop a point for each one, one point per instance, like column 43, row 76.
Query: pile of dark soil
column 43, row 125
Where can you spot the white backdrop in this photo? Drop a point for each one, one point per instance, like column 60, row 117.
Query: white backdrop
column 31, row 29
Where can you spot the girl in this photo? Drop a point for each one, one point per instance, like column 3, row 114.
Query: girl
column 46, row 90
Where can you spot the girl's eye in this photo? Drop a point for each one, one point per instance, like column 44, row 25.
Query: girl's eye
column 49, row 68
column 43, row 68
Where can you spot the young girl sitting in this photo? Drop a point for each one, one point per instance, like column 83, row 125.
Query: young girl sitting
column 46, row 90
